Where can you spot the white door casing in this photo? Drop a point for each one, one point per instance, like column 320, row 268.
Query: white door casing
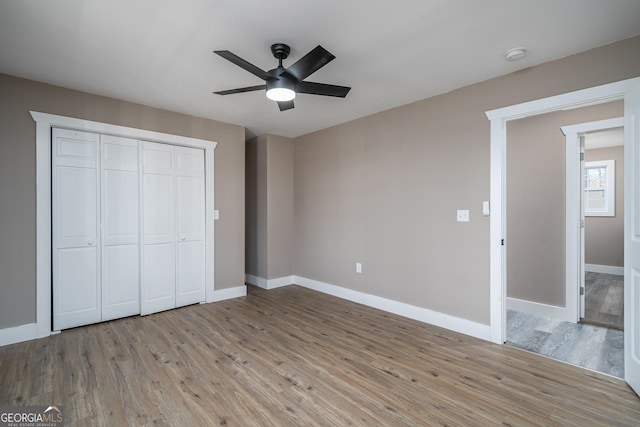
column 574, row 212
column 75, row 240
column 632, row 237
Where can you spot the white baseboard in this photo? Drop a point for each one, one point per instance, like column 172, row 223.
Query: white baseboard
column 256, row 281
column 223, row 294
column 280, row 281
column 18, row 334
column 421, row 314
column 537, row 309
column 271, row 283
column 604, row 269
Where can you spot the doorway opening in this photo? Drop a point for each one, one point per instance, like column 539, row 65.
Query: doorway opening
column 627, row 90
column 541, row 182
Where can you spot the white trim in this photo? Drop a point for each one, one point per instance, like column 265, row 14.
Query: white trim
column 421, row 314
column 499, row 117
column 18, row 334
column 573, row 191
column 256, row 281
column 280, row 281
column 271, row 283
column 604, row 269
column 537, row 309
column 44, row 123
column 229, row 293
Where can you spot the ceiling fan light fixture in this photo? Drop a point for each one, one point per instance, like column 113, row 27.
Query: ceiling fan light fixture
column 280, row 94
column 280, row 89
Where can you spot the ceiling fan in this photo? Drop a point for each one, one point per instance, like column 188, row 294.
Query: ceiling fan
column 282, row 84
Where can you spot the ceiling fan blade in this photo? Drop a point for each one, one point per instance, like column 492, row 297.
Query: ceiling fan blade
column 310, row 63
column 241, row 90
column 232, row 57
column 322, row 89
column 285, row 105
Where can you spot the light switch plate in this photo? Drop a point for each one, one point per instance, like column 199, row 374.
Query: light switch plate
column 216, row 214
column 463, row 215
column 485, row 208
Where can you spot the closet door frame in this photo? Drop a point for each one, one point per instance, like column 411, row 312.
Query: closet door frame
column 44, row 123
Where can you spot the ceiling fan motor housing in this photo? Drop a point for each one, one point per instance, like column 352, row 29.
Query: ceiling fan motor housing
column 280, row 51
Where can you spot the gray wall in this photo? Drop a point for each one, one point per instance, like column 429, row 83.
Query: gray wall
column 536, row 200
column 383, row 190
column 604, row 236
column 17, row 181
column 269, row 200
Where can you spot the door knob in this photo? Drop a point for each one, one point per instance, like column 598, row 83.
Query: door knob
column 90, row 242
column 182, row 238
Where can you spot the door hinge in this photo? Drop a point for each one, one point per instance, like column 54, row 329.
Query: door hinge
column 582, row 223
column 581, row 156
column 581, row 290
column 502, row 242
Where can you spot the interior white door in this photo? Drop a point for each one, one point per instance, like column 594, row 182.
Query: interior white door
column 120, row 227
column 189, row 177
column 75, row 240
column 632, row 238
column 158, row 228
column 581, row 273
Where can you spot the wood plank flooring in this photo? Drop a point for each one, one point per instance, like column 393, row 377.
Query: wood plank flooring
column 604, row 300
column 292, row 356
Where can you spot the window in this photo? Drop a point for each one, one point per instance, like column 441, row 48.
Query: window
column 599, row 188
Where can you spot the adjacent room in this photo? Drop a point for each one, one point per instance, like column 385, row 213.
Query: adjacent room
column 320, row 213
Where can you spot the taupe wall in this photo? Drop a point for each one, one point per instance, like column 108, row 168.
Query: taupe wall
column 17, row 181
column 269, row 228
column 279, row 206
column 536, row 200
column 383, row 190
column 604, row 236
column 256, row 207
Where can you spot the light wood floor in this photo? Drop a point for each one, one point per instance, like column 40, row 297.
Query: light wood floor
column 292, row 356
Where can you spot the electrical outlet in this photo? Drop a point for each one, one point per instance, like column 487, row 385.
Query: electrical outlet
column 358, row 267
column 463, row 215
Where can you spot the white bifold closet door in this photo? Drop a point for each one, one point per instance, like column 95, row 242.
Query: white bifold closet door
column 95, row 228
column 120, row 227
column 173, row 250
column 76, row 232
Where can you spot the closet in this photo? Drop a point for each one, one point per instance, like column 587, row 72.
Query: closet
column 127, row 227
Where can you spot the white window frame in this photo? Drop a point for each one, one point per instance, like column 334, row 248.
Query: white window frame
column 609, row 190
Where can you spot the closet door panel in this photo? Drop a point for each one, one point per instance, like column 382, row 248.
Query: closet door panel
column 120, row 207
column 120, row 281
column 159, row 283
column 120, row 228
column 75, row 231
column 158, row 208
column 78, row 296
column 190, row 224
column 190, row 273
column 158, row 246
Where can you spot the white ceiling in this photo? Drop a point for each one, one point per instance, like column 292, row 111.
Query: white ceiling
column 604, row 138
column 159, row 52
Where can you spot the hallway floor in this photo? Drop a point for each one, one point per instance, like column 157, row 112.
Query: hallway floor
column 589, row 346
column 604, row 300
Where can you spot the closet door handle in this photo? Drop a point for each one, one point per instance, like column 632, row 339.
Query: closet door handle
column 90, row 242
column 183, row 238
